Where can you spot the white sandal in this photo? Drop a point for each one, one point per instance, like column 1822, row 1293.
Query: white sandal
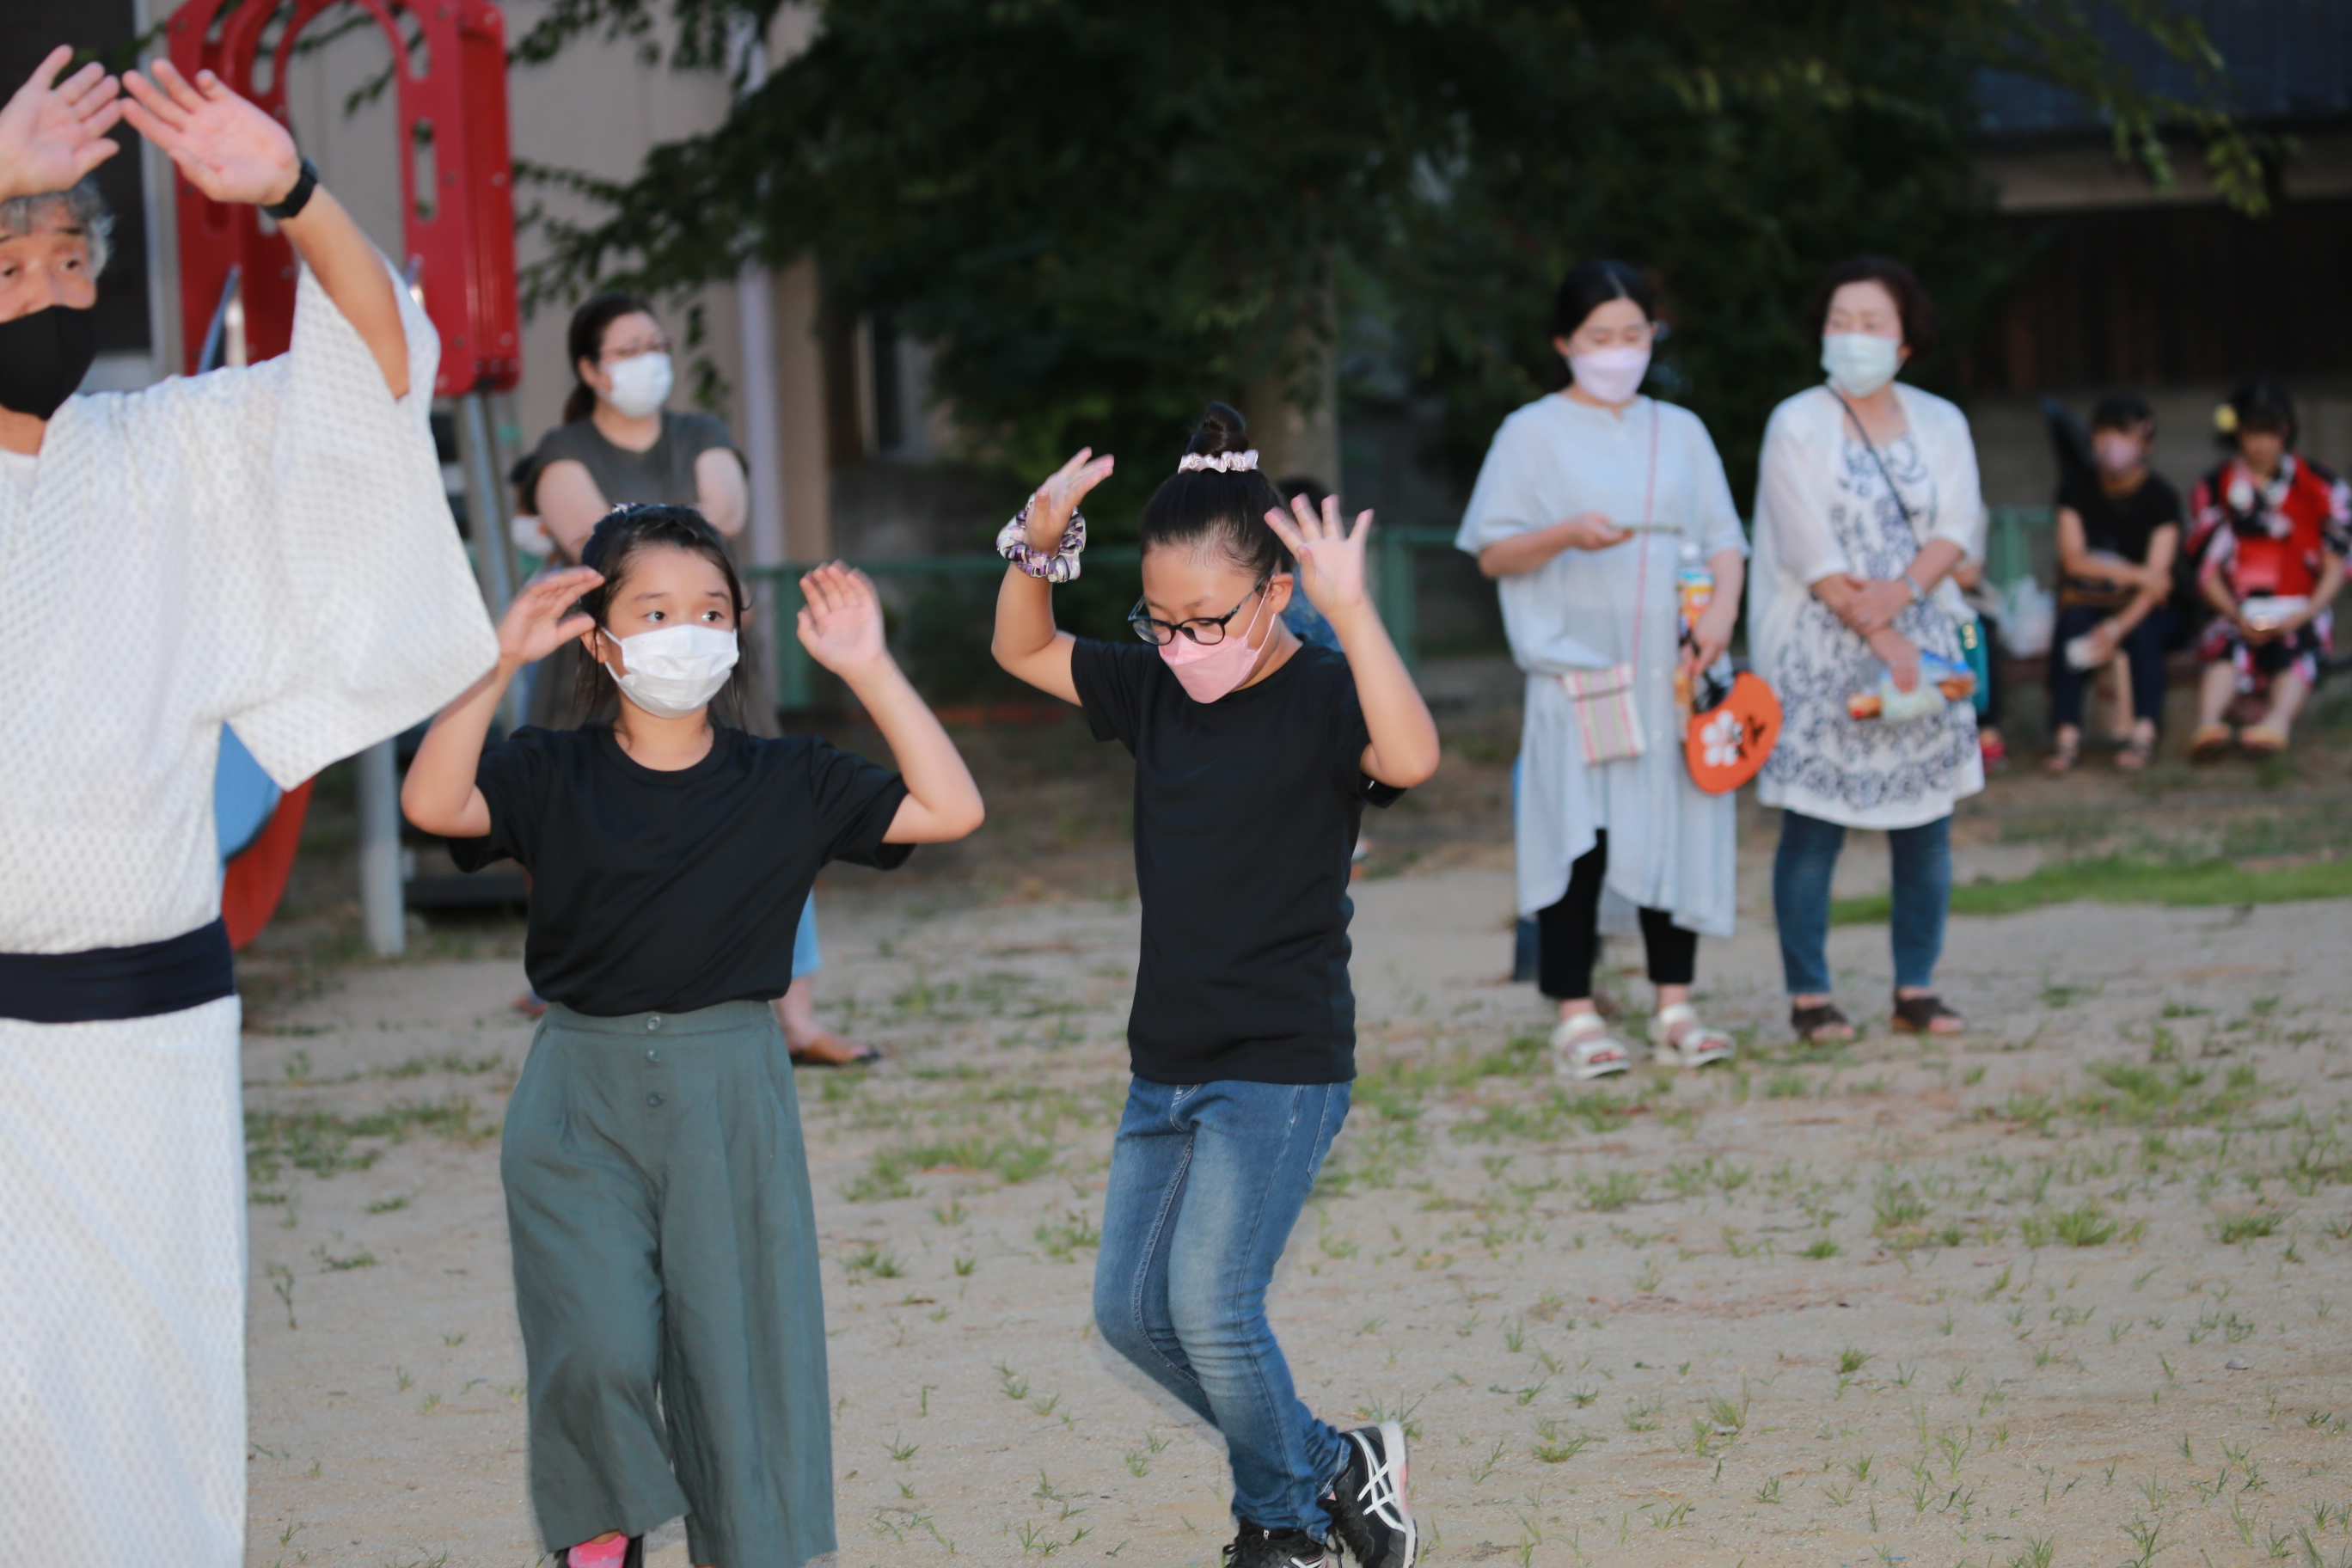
column 1701, row 1045
column 1583, row 1048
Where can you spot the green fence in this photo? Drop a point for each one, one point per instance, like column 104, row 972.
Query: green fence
column 2014, row 544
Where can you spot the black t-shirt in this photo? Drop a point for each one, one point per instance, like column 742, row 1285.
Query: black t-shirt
column 1245, row 818
column 2120, row 525
column 658, row 891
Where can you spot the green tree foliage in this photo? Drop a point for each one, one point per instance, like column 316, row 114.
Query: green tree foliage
column 1104, row 211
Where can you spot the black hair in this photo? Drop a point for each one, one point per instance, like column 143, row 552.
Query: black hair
column 623, row 534
column 1298, row 484
column 1911, row 300
column 2122, row 411
column 2262, row 403
column 585, row 339
column 1592, row 284
column 524, row 478
column 1203, row 508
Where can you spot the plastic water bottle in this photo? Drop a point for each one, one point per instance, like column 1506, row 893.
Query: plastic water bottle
column 1693, row 585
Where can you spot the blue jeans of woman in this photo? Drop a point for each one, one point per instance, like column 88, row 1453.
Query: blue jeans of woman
column 1206, row 1181
column 1809, row 851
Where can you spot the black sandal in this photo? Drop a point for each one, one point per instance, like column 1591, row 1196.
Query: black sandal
column 1809, row 1022
column 1918, row 1015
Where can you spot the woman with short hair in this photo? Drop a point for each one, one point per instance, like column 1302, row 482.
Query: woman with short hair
column 1866, row 501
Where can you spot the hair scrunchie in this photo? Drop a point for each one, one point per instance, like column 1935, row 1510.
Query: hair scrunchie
column 1062, row 566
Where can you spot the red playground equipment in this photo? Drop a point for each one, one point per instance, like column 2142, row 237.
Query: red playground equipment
column 449, row 65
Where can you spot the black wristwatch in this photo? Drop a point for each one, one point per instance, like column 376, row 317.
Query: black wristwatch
column 298, row 197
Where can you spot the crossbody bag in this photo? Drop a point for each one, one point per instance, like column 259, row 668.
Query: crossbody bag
column 1608, row 721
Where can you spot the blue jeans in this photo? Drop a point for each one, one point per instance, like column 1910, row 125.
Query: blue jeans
column 808, row 957
column 1801, row 899
column 1206, row 1181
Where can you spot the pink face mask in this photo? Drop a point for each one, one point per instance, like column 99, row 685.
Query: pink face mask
column 1208, row 673
column 2115, row 452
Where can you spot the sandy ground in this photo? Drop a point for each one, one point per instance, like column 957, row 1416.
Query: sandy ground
column 1964, row 1303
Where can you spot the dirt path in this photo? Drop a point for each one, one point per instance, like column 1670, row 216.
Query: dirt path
column 1963, row 1305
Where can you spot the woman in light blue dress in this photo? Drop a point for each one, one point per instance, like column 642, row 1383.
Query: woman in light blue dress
column 1630, row 840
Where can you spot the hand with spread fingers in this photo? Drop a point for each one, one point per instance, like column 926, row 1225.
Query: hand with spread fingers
column 842, row 625
column 53, row 132
column 1055, row 501
column 222, row 144
column 1330, row 555
column 540, row 620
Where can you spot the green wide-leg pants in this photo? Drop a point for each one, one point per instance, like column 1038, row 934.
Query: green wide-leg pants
column 665, row 1275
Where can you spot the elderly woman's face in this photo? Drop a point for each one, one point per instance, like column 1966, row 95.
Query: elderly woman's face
column 47, row 266
column 1865, row 307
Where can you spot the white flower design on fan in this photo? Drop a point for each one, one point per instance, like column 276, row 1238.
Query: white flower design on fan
column 1722, row 738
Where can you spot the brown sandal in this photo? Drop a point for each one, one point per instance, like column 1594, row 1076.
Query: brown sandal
column 1920, row 1014
column 1817, row 1025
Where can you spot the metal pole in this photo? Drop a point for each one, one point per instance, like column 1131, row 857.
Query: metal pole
column 487, row 520
column 381, row 910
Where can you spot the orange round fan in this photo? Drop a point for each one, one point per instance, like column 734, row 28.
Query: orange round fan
column 1727, row 744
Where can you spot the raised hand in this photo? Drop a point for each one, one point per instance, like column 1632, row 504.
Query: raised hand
column 841, row 626
column 53, row 132
column 536, row 622
column 1330, row 555
column 227, row 147
column 1053, row 502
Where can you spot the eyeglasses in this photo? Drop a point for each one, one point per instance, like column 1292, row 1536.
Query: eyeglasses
column 1206, row 630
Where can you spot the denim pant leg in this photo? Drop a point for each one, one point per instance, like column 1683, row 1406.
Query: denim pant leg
column 1802, row 869
column 1150, row 1159
column 1201, row 1227
column 2068, row 684
column 1922, row 858
column 2145, row 650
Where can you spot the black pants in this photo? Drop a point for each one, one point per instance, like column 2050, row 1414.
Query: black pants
column 2142, row 648
column 1569, row 934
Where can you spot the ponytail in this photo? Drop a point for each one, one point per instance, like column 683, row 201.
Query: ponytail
column 585, row 339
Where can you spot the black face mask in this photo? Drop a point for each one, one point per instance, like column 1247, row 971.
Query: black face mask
column 44, row 356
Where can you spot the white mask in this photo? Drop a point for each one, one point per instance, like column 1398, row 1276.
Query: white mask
column 1859, row 364
column 641, row 383
column 1611, row 375
column 674, row 671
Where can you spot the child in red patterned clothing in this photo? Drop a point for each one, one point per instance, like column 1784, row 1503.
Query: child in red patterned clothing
column 2268, row 531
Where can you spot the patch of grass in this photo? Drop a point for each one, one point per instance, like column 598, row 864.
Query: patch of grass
column 1611, row 1192
column 2230, row 1229
column 322, row 1142
column 1010, row 1159
column 1062, row 1238
column 2165, row 1094
column 2125, row 879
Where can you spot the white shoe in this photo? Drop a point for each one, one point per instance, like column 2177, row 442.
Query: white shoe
column 1701, row 1045
column 1583, row 1048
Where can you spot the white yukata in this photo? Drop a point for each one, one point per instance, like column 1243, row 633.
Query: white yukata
column 1824, row 507
column 1671, row 845
column 269, row 547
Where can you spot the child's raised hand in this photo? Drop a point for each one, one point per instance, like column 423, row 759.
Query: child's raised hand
column 841, row 626
column 1330, row 555
column 1053, row 502
column 538, row 622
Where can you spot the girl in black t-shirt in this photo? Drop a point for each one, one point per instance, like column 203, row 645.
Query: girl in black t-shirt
column 665, row 1243
column 1255, row 756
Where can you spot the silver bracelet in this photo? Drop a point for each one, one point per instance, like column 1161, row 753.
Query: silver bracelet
column 1012, row 543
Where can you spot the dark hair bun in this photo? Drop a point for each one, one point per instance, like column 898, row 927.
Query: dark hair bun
column 1222, row 429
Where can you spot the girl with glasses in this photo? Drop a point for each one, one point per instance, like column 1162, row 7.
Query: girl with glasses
column 1254, row 758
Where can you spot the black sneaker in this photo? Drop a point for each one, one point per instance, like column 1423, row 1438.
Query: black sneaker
column 1257, row 1547
column 1366, row 1503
